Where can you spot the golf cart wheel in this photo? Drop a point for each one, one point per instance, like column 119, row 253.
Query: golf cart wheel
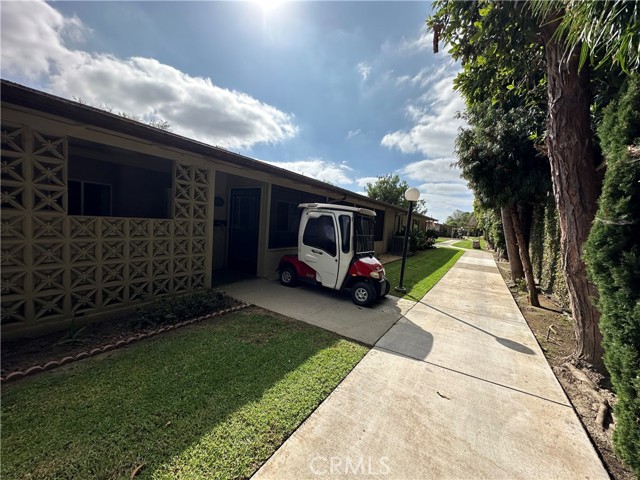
column 288, row 276
column 363, row 294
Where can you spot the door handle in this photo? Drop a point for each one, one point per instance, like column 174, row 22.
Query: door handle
column 316, row 251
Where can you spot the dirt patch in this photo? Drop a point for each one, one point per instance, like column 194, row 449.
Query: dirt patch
column 554, row 331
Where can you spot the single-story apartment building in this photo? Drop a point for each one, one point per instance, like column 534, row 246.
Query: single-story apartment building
column 100, row 213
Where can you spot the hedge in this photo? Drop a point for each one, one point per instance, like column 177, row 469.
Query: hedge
column 613, row 258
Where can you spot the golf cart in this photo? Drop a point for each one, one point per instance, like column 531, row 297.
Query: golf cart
column 335, row 250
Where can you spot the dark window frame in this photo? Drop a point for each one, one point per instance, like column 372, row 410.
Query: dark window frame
column 316, row 235
column 378, row 228
column 345, row 232
column 83, row 209
column 124, row 171
column 287, row 239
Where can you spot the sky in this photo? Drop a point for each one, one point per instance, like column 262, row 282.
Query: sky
column 342, row 92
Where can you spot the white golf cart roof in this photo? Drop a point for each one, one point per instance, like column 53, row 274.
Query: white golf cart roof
column 342, row 208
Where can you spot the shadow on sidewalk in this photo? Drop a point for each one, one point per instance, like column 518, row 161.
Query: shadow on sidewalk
column 518, row 347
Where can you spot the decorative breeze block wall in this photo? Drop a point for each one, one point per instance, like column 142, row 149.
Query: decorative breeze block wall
column 56, row 266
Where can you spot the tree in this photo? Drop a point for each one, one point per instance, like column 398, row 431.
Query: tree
column 606, row 33
column 390, row 189
column 499, row 159
column 576, row 186
column 459, row 219
column 154, row 122
column 613, row 256
column 508, row 33
column 515, row 264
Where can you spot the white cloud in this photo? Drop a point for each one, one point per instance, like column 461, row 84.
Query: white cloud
column 362, row 181
column 337, row 174
column 423, row 42
column 437, row 170
column 441, row 206
column 33, row 45
column 435, row 124
column 32, row 38
column 441, row 186
column 364, row 69
column 353, row 133
column 403, row 79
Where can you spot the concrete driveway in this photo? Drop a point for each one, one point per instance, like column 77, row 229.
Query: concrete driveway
column 322, row 307
column 457, row 389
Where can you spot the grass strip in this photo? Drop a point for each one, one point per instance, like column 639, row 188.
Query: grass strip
column 463, row 244
column 422, row 271
column 469, row 243
column 210, row 401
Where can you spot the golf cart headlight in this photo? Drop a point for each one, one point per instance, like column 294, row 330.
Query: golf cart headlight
column 374, row 274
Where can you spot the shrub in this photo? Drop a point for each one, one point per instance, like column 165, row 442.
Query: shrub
column 422, row 239
column 176, row 309
column 430, row 237
column 613, row 259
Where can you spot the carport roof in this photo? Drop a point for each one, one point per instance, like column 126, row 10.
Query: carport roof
column 20, row 95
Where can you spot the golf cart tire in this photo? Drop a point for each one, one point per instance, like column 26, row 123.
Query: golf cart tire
column 387, row 287
column 288, row 276
column 363, row 294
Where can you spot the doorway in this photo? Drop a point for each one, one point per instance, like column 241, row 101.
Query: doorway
column 244, row 229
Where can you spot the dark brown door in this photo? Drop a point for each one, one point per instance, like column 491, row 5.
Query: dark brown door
column 244, row 228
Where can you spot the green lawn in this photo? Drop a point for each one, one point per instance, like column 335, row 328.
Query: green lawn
column 442, row 239
column 214, row 400
column 469, row 243
column 463, row 244
column 422, row 271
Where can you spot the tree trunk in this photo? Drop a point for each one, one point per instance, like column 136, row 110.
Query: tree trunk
column 575, row 183
column 525, row 212
column 515, row 264
column 524, row 256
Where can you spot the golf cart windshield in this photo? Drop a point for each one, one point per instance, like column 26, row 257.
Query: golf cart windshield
column 363, row 234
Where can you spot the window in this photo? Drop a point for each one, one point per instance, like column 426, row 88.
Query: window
column 378, row 231
column 88, row 198
column 321, row 233
column 285, row 215
column 345, row 232
column 110, row 181
column 364, row 234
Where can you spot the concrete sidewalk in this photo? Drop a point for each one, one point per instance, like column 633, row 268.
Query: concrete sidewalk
column 457, row 389
column 328, row 309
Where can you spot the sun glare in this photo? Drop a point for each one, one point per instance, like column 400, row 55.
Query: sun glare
column 269, row 5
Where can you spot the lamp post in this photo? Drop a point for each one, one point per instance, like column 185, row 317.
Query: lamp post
column 412, row 195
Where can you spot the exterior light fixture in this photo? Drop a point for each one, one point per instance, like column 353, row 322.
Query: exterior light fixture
column 412, row 195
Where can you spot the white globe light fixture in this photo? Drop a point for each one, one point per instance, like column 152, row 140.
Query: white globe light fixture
column 412, row 195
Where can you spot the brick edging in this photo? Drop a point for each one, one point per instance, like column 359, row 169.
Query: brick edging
column 112, row 346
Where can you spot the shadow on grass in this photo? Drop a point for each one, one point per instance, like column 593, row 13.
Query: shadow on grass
column 422, row 271
column 235, row 389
